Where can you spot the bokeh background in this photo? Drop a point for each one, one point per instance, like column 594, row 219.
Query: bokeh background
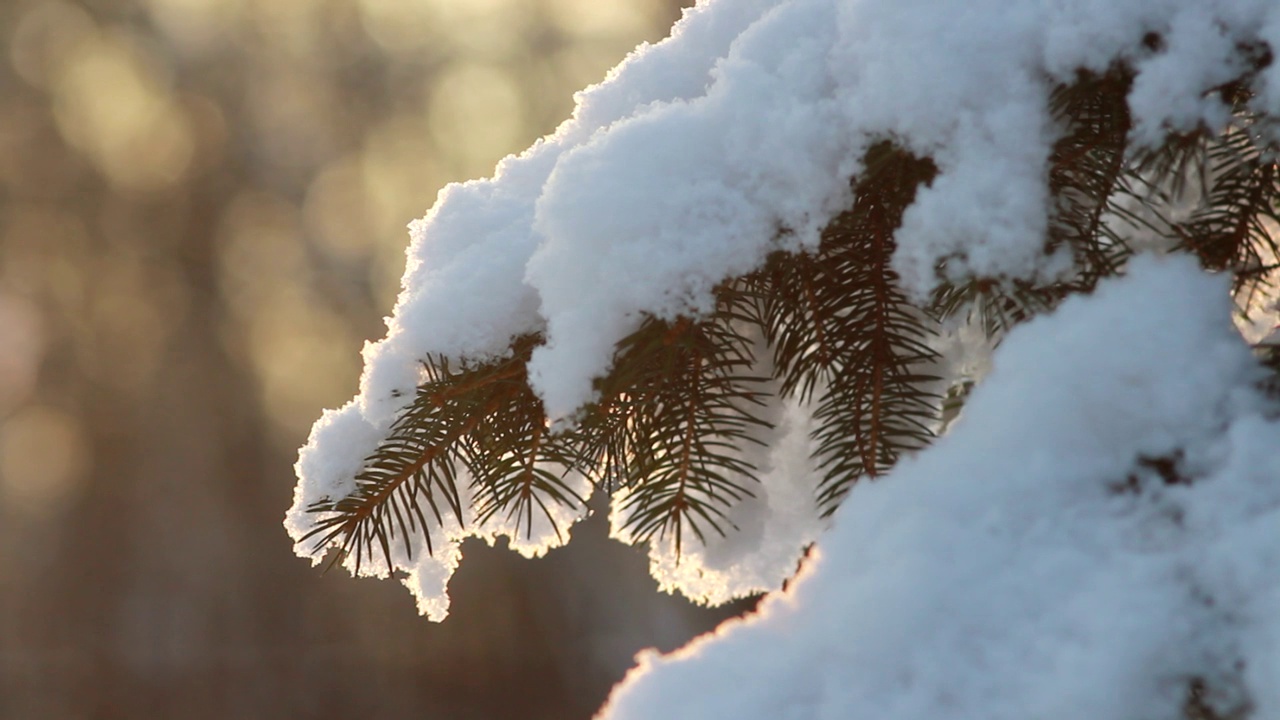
column 202, row 211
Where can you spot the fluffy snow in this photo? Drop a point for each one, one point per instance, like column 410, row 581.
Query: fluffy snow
column 1030, row 564
column 736, row 136
column 770, row 529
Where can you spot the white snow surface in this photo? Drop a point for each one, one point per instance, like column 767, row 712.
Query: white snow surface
column 1029, row 565
column 737, row 136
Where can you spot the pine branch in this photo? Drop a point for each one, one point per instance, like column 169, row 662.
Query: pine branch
column 479, row 416
column 998, row 307
column 680, row 402
column 1230, row 176
column 841, row 329
column 673, row 416
column 1093, row 184
column 518, row 467
column 1086, row 166
column 1234, row 227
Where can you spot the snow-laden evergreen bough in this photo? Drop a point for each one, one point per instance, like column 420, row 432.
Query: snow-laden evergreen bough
column 771, row 255
column 1098, row 537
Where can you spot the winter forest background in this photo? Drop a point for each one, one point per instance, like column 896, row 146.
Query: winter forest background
column 202, row 211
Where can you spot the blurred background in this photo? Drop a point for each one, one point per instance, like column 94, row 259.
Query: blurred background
column 202, row 211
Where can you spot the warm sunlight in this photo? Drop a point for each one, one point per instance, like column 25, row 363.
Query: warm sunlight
column 202, row 216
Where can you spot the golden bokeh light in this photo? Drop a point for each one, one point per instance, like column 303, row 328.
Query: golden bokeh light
column 131, row 310
column 401, row 172
column 475, row 111
column 43, row 459
column 38, row 247
column 399, row 26
column 294, row 29
column 45, row 36
column 484, row 29
column 258, row 231
column 111, row 102
column 592, row 18
column 303, row 352
column 295, row 116
column 22, row 339
column 197, row 27
column 337, row 212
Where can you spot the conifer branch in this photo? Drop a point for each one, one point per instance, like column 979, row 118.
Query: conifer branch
column 1233, row 229
column 517, row 466
column 479, row 416
column 1086, row 168
column 679, row 404
column 841, row 329
column 673, row 416
column 1089, row 178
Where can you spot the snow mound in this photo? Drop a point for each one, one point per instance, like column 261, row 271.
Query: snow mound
column 1099, row 529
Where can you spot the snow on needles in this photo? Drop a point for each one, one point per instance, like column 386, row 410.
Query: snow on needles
column 1034, row 563
column 737, row 136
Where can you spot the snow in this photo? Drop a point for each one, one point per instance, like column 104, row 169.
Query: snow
column 771, row 527
column 1011, row 570
column 734, row 137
